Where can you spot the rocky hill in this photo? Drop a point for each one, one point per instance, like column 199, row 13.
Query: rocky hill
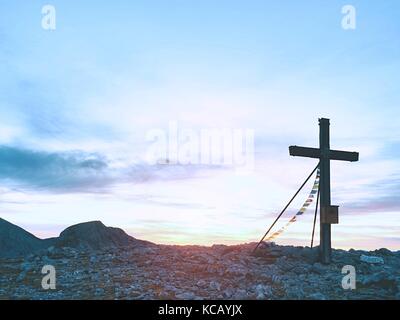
column 94, row 235
column 148, row 271
column 15, row 241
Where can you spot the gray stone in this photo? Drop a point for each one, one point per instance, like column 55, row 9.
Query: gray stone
column 371, row 259
column 51, row 249
column 382, row 279
column 22, row 276
column 294, row 292
column 384, row 251
column 318, row 268
column 228, row 292
column 240, row 294
column 201, row 283
column 214, row 285
column 99, row 292
column 260, row 296
column 26, row 266
column 186, row 296
column 317, row 296
column 276, row 279
column 262, row 291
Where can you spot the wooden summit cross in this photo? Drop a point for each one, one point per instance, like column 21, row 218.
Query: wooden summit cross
column 328, row 213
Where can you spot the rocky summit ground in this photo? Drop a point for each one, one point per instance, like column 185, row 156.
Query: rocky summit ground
column 148, row 271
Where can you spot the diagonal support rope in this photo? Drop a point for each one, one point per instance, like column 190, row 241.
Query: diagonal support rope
column 284, row 209
column 315, row 219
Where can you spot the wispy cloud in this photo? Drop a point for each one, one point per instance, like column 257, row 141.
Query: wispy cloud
column 70, row 171
column 78, row 171
column 388, row 201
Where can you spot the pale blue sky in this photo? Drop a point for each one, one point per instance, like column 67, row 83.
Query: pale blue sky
column 76, row 104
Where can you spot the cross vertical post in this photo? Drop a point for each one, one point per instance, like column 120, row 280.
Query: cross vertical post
column 325, row 190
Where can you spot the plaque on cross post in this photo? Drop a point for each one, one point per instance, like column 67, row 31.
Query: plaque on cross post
column 328, row 213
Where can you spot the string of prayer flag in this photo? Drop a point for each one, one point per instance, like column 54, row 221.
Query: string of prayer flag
column 302, row 210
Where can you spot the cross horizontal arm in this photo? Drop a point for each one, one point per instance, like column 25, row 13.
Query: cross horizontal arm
column 343, row 155
column 316, row 153
column 304, row 152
